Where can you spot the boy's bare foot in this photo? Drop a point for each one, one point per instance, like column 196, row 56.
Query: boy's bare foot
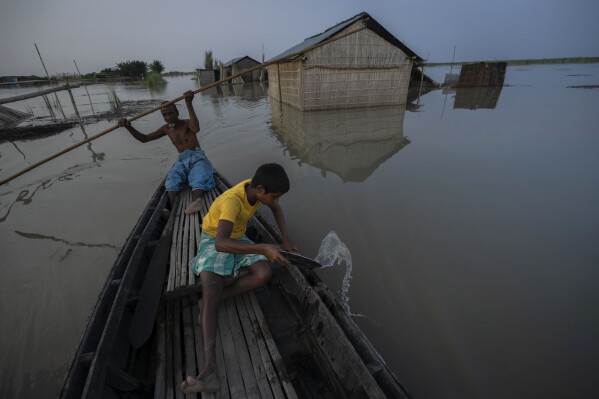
column 207, row 381
column 194, row 206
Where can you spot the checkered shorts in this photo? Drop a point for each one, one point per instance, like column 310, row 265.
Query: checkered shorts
column 223, row 263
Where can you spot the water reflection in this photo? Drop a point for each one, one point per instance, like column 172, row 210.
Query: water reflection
column 249, row 91
column 36, row 236
column 477, row 97
column 352, row 143
column 25, row 197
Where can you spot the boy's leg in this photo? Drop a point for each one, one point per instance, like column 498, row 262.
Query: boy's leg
column 260, row 273
column 207, row 380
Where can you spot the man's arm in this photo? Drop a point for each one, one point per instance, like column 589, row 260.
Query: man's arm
column 224, row 243
column 277, row 212
column 194, row 123
column 144, row 138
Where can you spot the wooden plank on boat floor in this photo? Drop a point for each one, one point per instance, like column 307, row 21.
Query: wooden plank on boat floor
column 242, row 346
column 234, row 378
column 177, row 358
column 248, row 366
column 170, row 392
column 173, row 257
column 183, row 243
column 188, row 342
column 259, row 363
column 272, row 349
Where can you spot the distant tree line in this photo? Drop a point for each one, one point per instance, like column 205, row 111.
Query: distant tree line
column 134, row 69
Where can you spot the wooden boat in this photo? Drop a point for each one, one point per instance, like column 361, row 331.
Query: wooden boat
column 288, row 339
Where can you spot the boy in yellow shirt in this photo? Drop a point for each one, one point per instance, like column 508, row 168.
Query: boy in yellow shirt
column 224, row 250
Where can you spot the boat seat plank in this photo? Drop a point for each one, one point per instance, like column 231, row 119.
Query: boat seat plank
column 248, row 365
column 182, row 281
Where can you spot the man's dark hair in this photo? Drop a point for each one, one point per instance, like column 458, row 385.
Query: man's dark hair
column 173, row 106
column 272, row 177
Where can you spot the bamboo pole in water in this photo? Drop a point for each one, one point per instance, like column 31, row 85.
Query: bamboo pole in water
column 85, row 86
column 48, row 76
column 75, row 106
column 102, row 133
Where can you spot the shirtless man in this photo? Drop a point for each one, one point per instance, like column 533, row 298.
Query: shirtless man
column 192, row 166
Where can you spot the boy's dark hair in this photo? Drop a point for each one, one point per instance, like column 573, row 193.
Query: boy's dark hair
column 272, row 177
column 173, row 106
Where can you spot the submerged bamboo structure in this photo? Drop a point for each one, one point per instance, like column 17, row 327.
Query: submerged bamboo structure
column 367, row 67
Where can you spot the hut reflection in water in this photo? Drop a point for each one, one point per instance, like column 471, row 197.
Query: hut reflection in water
column 352, row 143
column 479, row 85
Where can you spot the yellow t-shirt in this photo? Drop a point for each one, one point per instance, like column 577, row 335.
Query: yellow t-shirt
column 232, row 205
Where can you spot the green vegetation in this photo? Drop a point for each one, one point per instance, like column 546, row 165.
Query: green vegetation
column 569, row 60
column 133, row 69
column 154, row 79
column 115, row 101
column 177, row 73
column 157, row 67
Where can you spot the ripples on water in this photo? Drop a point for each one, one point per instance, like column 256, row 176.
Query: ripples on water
column 472, row 222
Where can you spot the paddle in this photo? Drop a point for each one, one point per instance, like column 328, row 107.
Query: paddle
column 300, row 260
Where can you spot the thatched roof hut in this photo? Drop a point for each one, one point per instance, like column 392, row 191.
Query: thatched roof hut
column 240, row 64
column 370, row 67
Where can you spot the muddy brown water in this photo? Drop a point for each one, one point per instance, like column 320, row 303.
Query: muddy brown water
column 472, row 219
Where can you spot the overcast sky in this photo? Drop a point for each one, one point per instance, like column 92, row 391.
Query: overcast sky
column 98, row 34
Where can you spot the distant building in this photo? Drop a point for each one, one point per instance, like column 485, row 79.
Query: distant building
column 241, row 64
column 206, row 76
column 370, row 67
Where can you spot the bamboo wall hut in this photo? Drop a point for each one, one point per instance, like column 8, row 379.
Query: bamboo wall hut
column 205, row 76
column 351, row 143
column 367, row 68
column 240, row 64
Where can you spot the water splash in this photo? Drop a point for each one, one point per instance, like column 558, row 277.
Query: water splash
column 333, row 252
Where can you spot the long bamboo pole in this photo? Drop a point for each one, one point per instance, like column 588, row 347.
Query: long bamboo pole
column 112, row 128
column 48, row 76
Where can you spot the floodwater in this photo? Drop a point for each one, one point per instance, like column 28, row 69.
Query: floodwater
column 472, row 219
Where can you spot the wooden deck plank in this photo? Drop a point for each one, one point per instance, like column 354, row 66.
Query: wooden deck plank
column 272, row 374
column 272, row 349
column 193, row 222
column 184, row 243
column 188, row 342
column 177, row 358
column 224, row 392
column 252, row 339
column 169, row 351
column 173, row 257
column 241, row 350
column 234, row 378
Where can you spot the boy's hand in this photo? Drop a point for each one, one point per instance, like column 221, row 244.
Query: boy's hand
column 188, row 95
column 272, row 253
column 123, row 122
column 290, row 245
